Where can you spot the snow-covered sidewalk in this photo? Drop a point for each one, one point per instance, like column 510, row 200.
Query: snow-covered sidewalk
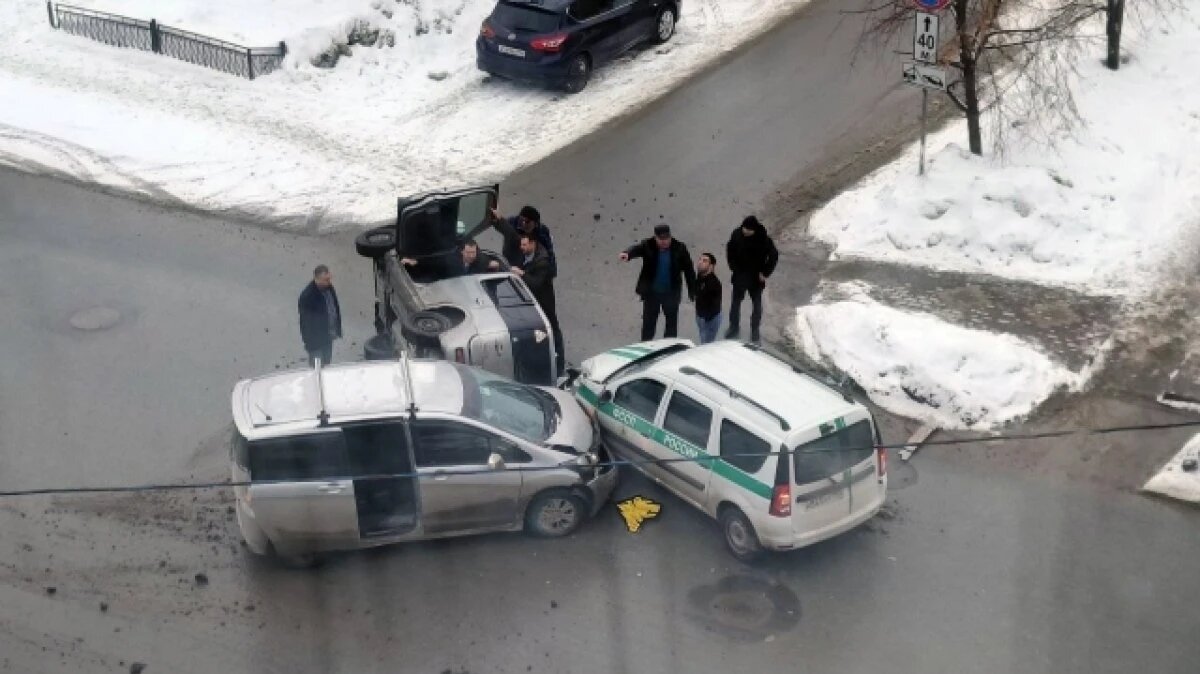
column 1103, row 212
column 308, row 147
column 1176, row 481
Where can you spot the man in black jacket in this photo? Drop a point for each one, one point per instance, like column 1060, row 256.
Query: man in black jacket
column 536, row 270
column 528, row 221
column 665, row 266
column 320, row 316
column 708, row 298
column 752, row 258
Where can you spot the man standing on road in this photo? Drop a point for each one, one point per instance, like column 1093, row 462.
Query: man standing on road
column 752, row 257
column 320, row 316
column 708, row 298
column 536, row 270
column 664, row 261
column 529, row 221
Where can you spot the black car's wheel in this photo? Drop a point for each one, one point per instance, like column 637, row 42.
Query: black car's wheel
column 554, row 514
column 375, row 243
column 579, row 71
column 739, row 535
column 664, row 25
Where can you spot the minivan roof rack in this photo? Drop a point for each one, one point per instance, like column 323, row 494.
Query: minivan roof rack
column 323, row 414
column 822, row 377
column 689, row 370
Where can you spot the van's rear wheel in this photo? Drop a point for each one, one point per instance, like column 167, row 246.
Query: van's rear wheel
column 739, row 536
column 554, row 514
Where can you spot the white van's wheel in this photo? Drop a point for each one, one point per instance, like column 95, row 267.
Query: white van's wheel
column 739, row 535
column 554, row 514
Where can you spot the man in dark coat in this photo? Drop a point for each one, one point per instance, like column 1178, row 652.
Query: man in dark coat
column 708, row 298
column 752, row 258
column 320, row 316
column 538, row 274
column 529, row 221
column 666, row 265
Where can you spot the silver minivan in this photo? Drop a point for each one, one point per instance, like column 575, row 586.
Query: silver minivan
column 366, row 454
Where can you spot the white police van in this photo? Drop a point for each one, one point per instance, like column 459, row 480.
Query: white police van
column 781, row 459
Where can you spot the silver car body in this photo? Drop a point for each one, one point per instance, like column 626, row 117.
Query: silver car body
column 330, row 512
column 746, row 394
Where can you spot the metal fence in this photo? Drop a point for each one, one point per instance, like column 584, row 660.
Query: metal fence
column 122, row 31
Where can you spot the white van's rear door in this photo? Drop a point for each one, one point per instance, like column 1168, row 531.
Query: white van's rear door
column 834, row 476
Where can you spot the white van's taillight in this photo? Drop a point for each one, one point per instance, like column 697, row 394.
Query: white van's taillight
column 781, row 501
column 881, row 461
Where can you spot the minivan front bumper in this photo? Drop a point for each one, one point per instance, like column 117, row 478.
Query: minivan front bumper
column 602, row 486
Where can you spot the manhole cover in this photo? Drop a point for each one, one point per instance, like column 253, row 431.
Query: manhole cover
column 95, row 318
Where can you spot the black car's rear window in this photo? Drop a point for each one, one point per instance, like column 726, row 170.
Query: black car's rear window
column 526, row 19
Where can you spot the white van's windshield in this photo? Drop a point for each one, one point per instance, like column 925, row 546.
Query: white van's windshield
column 834, row 453
column 525, row 411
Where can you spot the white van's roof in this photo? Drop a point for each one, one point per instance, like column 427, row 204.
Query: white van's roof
column 797, row 398
column 283, row 403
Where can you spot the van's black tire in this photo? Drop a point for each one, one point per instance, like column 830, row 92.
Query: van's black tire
column 661, row 31
column 555, row 513
column 380, row 347
column 739, row 536
column 422, row 325
column 579, row 73
column 375, row 243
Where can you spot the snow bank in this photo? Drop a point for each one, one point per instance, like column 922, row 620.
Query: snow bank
column 1173, row 481
column 309, row 147
column 920, row 367
column 1098, row 210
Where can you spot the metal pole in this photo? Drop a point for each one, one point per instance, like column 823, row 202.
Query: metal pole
column 924, row 109
column 249, row 64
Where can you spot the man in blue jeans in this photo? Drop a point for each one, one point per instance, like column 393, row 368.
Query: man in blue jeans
column 708, row 298
column 666, row 268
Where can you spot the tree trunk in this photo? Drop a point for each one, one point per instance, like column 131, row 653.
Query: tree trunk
column 1116, row 16
column 966, row 55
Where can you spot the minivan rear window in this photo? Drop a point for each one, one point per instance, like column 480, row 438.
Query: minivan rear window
column 305, row 457
column 525, row 19
column 834, row 453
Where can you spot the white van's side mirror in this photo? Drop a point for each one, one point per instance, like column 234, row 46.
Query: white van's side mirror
column 495, row 462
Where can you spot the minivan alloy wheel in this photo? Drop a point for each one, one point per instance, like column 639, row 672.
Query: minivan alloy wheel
column 558, row 514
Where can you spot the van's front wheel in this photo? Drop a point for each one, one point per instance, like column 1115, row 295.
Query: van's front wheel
column 739, row 536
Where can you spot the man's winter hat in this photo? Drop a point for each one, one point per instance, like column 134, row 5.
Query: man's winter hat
column 751, row 222
column 531, row 213
column 662, row 231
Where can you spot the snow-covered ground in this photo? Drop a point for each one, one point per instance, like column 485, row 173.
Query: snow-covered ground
column 308, row 147
column 1175, row 482
column 1097, row 210
column 920, row 367
column 1104, row 210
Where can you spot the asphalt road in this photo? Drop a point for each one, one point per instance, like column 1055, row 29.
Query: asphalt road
column 969, row 571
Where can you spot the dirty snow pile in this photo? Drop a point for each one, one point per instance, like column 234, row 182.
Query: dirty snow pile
column 1180, row 478
column 1101, row 211
column 920, row 367
column 402, row 110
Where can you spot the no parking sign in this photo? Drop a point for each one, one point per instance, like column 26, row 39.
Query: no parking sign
column 931, row 5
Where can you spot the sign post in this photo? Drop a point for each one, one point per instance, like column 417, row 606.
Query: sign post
column 923, row 71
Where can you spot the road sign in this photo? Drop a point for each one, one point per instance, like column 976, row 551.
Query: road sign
column 926, row 77
column 925, row 37
column 931, row 5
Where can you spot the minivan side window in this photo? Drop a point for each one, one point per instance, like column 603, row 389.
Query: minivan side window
column 449, row 444
column 688, row 419
column 303, row 457
column 743, row 449
column 582, row 10
column 640, row 396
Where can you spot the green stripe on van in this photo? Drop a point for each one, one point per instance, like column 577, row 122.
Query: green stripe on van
column 625, row 353
column 678, row 445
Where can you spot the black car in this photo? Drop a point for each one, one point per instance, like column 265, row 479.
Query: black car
column 560, row 42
